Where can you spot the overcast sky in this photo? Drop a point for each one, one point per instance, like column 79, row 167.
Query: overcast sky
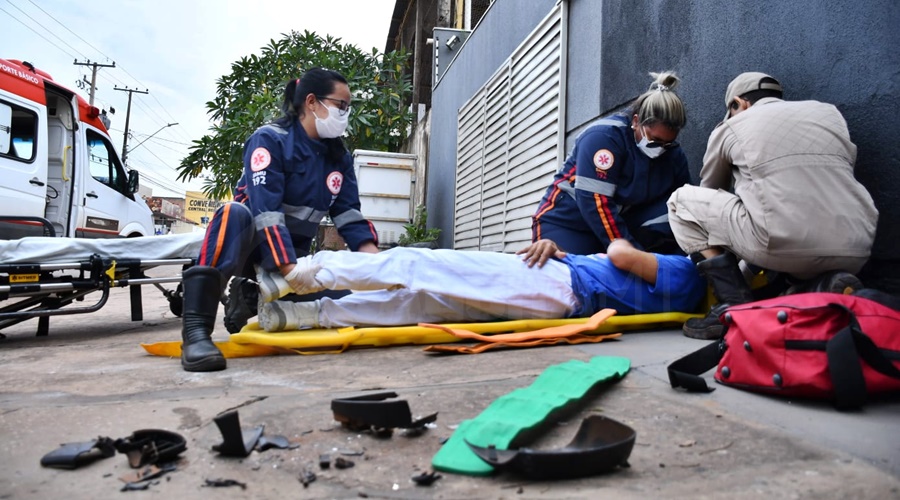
column 176, row 49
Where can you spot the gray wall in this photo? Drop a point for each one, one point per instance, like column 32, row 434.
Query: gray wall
column 840, row 51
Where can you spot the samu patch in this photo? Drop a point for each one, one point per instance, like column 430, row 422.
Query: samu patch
column 334, row 182
column 604, row 159
column 260, row 159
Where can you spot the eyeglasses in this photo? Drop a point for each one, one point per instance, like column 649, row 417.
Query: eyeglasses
column 343, row 106
column 660, row 144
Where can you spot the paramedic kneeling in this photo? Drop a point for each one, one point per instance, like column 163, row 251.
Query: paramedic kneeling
column 615, row 182
column 796, row 207
column 296, row 170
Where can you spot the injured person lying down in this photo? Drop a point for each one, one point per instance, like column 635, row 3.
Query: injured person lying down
column 405, row 286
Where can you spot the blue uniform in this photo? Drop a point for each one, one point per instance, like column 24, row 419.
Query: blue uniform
column 598, row 284
column 287, row 188
column 608, row 189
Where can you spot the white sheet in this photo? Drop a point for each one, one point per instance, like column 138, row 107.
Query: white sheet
column 45, row 250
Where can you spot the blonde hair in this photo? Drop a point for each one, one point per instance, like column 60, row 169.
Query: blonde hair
column 660, row 104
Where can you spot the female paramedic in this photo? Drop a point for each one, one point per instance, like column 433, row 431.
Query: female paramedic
column 617, row 179
column 296, row 170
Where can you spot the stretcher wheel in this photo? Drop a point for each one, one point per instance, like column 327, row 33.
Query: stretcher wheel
column 176, row 301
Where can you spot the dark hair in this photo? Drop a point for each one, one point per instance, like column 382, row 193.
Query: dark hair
column 660, row 104
column 316, row 81
column 755, row 95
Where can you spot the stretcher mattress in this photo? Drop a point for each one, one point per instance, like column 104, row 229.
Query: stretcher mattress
column 47, row 250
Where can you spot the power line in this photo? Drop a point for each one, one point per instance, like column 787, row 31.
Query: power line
column 185, row 144
column 38, row 34
column 111, row 78
column 42, row 26
column 82, row 54
column 150, row 175
column 67, row 29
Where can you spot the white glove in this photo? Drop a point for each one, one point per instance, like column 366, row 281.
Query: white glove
column 302, row 278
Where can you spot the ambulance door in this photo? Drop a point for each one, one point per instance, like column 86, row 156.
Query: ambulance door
column 23, row 160
column 106, row 196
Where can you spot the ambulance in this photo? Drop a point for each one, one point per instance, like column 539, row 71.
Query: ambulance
column 59, row 172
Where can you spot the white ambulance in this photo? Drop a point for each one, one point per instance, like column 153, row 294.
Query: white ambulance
column 58, row 167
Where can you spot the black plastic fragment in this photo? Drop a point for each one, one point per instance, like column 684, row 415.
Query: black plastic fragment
column 377, row 411
column 151, row 446
column 236, row 442
column 74, row 455
column 224, row 483
column 307, row 477
column 280, row 442
column 426, row 478
column 601, row 445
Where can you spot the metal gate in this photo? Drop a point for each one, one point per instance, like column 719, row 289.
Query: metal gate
column 510, row 142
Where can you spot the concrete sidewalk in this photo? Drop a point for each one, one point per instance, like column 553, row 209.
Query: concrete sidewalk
column 90, row 378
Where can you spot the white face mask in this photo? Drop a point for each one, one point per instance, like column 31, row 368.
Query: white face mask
column 334, row 125
column 644, row 146
column 650, row 152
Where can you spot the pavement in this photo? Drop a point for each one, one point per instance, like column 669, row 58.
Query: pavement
column 91, row 378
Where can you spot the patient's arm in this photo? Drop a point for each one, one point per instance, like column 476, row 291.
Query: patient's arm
column 627, row 258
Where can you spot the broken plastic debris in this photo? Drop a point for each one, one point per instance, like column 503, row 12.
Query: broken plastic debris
column 224, row 483
column 426, row 478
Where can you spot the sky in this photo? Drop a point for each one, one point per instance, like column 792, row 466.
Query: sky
column 176, row 50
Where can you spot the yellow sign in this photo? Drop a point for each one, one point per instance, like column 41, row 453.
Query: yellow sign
column 198, row 208
column 24, row 278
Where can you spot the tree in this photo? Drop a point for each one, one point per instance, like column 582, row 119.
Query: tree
column 252, row 94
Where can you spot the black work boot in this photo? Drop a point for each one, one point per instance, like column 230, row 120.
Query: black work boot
column 241, row 305
column 202, row 287
column 832, row 282
column 730, row 289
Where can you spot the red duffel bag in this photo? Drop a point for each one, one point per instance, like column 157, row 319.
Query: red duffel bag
column 811, row 345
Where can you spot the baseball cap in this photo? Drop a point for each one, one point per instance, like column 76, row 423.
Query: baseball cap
column 748, row 82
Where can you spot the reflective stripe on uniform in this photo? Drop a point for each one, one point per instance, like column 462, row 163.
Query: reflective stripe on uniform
column 594, row 186
column 662, row 219
column 268, row 219
column 348, row 217
column 304, row 213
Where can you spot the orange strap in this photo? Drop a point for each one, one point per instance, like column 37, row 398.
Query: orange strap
column 484, row 346
column 570, row 334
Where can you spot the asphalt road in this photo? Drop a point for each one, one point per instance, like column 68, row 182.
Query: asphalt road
column 91, row 378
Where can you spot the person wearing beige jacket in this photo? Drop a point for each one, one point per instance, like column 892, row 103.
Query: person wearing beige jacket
column 776, row 190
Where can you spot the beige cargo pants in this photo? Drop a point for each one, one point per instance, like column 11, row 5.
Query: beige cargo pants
column 702, row 218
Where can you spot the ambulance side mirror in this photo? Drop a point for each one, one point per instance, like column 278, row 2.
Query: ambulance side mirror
column 133, row 181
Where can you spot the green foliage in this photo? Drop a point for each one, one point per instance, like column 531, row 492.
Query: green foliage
column 251, row 96
column 417, row 232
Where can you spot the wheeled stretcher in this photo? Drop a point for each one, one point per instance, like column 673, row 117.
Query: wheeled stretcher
column 44, row 276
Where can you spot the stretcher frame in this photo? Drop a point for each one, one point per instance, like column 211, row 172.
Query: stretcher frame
column 44, row 290
column 40, row 290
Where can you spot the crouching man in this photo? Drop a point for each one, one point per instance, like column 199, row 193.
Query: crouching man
column 795, row 208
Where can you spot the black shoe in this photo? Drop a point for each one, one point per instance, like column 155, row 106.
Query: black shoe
column 241, row 305
column 708, row 327
column 832, row 282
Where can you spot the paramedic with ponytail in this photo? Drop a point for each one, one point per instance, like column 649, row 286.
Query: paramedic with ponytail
column 296, row 171
column 616, row 180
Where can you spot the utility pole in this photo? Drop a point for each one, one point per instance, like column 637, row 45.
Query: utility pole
column 94, row 67
column 127, row 118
